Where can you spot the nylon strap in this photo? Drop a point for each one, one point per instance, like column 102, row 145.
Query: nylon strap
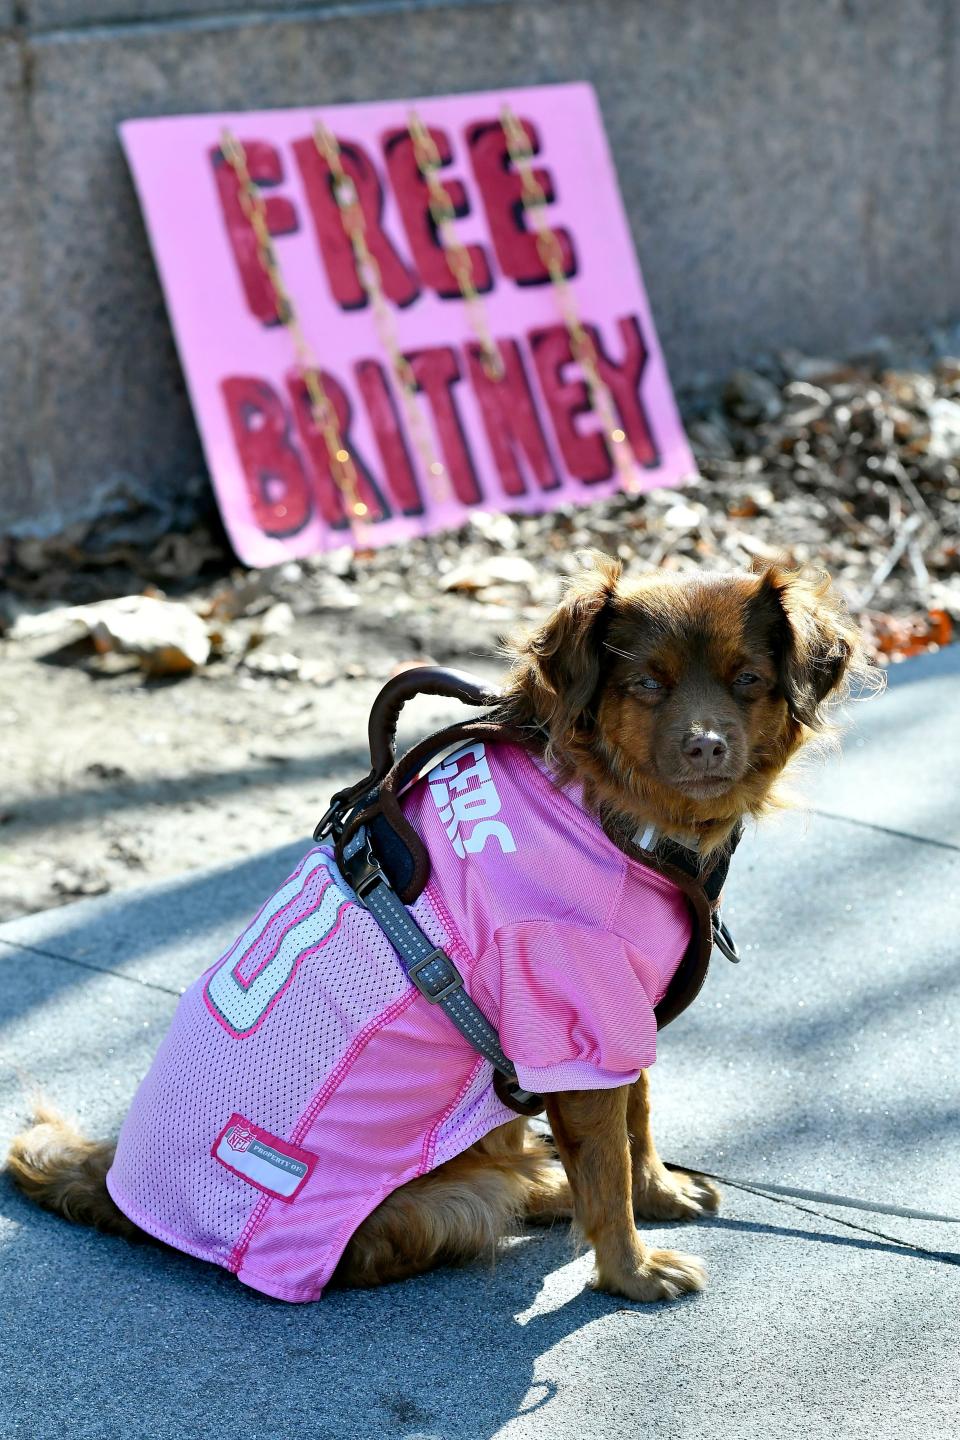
column 661, row 848
column 430, row 968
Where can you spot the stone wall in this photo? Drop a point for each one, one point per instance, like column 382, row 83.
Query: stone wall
column 789, row 170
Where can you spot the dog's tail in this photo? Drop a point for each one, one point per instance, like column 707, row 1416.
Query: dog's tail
column 58, row 1168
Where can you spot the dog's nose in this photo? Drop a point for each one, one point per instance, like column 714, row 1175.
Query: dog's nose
column 705, row 749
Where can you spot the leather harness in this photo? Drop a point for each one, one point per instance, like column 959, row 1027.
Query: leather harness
column 387, row 865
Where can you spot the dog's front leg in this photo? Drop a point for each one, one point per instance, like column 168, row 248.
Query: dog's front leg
column 590, row 1130
column 659, row 1193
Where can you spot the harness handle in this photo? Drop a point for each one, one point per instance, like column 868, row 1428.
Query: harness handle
column 382, row 727
column 418, row 680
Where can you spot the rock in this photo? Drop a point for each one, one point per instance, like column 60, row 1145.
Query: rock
column 181, row 557
column 751, row 397
column 948, row 370
column 127, row 850
column 100, row 770
column 229, row 642
column 166, row 637
column 246, row 595
column 760, row 550
column 79, row 880
column 61, row 624
column 945, row 429
column 278, row 620
column 494, row 570
column 681, row 516
column 281, row 667
column 504, row 596
column 338, row 562
column 317, row 672
column 497, row 529
column 804, row 404
column 710, row 440
column 945, row 594
column 333, row 594
column 111, row 662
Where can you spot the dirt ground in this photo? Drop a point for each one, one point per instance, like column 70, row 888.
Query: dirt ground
column 111, row 779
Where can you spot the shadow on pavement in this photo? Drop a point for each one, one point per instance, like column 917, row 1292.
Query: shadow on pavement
column 198, row 786
column 138, row 1330
column 887, row 1247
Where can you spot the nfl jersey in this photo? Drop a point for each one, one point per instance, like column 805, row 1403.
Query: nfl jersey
column 304, row 1077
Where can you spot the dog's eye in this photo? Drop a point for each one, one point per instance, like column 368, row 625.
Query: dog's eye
column 746, row 677
column 647, row 682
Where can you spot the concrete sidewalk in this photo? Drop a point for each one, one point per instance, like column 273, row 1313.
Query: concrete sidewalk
column 822, row 1070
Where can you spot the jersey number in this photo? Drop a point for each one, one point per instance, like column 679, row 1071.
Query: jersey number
column 248, row 982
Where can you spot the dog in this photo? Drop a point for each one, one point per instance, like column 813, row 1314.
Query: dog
column 667, row 701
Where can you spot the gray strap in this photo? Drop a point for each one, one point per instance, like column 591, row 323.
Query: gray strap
column 430, row 968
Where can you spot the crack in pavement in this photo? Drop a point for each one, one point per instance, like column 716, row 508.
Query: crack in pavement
column 883, row 829
column 824, row 1197
column 88, row 965
column 946, row 1257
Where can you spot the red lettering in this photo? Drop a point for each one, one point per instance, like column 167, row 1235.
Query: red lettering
column 436, row 373
column 585, row 456
column 511, row 420
column 501, row 192
column 399, row 283
column 391, row 441
column 266, row 168
column 412, row 196
column 272, row 467
column 623, row 382
column 329, row 496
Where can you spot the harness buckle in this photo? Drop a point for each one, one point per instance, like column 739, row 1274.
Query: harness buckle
column 443, row 984
column 363, row 871
column 509, row 1090
column 328, row 823
column 723, row 940
column 370, row 875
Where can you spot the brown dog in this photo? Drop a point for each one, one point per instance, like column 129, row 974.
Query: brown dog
column 678, row 702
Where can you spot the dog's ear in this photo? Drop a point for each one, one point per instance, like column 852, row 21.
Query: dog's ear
column 558, row 665
column 817, row 642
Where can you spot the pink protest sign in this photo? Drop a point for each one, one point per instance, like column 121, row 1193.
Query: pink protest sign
column 531, row 440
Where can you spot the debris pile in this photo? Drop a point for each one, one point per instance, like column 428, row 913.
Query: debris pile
column 849, row 465
column 125, row 532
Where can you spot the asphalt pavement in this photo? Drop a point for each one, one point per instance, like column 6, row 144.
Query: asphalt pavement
column 820, row 1079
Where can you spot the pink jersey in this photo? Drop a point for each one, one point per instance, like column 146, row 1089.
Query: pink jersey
column 304, row 1077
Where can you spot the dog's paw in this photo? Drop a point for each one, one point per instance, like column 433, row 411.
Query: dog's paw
column 674, row 1195
column 663, row 1275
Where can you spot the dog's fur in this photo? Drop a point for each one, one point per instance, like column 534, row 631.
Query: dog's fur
column 677, row 701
